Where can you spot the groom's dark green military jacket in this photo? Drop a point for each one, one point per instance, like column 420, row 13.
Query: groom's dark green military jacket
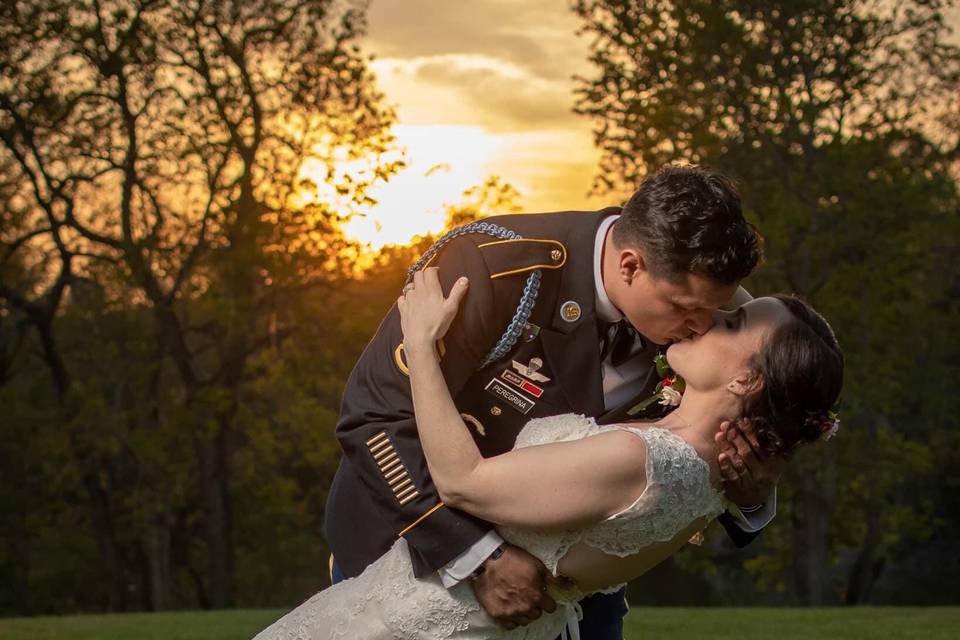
column 382, row 490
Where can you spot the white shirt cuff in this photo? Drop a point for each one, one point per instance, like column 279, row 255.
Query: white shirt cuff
column 755, row 519
column 467, row 562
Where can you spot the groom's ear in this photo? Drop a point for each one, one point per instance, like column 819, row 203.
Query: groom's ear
column 632, row 264
column 745, row 384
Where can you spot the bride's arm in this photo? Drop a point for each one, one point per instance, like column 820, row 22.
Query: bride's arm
column 550, row 486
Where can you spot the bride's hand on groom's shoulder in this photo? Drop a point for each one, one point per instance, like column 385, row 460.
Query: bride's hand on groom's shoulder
column 749, row 475
column 425, row 313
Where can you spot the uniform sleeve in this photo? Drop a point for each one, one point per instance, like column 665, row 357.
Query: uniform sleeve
column 735, row 529
column 377, row 429
column 744, row 525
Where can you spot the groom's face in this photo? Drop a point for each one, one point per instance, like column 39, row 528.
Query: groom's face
column 669, row 309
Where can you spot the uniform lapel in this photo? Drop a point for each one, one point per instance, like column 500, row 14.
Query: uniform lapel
column 572, row 347
column 575, row 359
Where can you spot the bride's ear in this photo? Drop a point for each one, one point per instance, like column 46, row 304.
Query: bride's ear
column 745, row 384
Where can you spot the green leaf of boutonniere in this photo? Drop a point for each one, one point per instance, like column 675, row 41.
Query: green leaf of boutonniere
column 660, row 360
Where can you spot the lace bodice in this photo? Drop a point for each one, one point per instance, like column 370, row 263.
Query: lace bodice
column 678, row 492
column 386, row 601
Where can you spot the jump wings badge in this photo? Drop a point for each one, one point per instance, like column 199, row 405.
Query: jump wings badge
column 530, row 370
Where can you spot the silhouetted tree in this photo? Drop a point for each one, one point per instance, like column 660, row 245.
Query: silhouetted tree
column 159, row 149
column 490, row 198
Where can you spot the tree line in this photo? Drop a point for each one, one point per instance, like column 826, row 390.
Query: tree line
column 841, row 119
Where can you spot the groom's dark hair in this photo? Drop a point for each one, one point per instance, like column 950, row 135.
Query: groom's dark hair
column 687, row 219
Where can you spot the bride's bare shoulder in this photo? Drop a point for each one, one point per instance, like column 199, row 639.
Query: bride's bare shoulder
column 622, row 452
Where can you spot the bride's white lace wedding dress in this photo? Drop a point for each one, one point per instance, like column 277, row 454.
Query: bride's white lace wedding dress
column 387, row 602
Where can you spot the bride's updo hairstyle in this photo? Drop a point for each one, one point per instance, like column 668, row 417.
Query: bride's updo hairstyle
column 801, row 366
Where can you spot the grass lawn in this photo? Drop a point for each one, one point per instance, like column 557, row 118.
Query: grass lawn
column 889, row 623
column 181, row 625
column 642, row 624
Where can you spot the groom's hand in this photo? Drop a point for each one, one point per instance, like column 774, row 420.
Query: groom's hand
column 749, row 475
column 512, row 588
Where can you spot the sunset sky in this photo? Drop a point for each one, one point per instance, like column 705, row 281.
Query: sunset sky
column 481, row 88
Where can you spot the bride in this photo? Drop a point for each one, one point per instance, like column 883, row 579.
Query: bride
column 598, row 505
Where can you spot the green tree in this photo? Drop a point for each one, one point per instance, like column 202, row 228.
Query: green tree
column 835, row 115
column 157, row 150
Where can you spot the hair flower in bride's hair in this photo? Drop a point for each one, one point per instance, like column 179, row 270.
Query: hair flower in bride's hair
column 833, row 425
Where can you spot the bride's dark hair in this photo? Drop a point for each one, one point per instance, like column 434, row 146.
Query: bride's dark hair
column 801, row 366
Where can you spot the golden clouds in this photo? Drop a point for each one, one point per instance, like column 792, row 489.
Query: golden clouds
column 485, row 88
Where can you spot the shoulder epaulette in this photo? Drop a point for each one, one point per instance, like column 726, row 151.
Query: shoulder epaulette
column 519, row 255
column 515, row 255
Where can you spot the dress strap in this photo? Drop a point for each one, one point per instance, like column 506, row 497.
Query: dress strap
column 574, row 614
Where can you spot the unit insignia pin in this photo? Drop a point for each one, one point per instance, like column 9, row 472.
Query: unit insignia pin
column 530, row 332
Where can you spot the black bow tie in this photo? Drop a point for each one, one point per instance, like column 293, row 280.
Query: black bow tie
column 620, row 342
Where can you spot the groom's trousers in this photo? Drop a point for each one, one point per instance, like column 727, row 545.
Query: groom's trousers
column 603, row 616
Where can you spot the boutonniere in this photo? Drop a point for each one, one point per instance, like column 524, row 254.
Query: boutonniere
column 668, row 391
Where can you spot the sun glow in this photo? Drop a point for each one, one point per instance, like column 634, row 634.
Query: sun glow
column 442, row 161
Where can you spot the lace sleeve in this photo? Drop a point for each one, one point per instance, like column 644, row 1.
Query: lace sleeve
column 678, row 492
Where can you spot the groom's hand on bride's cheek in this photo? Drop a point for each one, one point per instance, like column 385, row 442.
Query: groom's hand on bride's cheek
column 512, row 589
column 749, row 475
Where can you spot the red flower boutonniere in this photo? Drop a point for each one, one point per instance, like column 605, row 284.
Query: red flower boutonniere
column 668, row 391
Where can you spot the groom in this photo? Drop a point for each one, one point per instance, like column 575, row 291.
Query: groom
column 544, row 330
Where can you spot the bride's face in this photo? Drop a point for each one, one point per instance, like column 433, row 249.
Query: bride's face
column 722, row 354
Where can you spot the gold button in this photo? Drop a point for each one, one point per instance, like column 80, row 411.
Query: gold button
column 495, row 411
column 556, row 254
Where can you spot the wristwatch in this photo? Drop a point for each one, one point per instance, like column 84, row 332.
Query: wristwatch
column 483, row 565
